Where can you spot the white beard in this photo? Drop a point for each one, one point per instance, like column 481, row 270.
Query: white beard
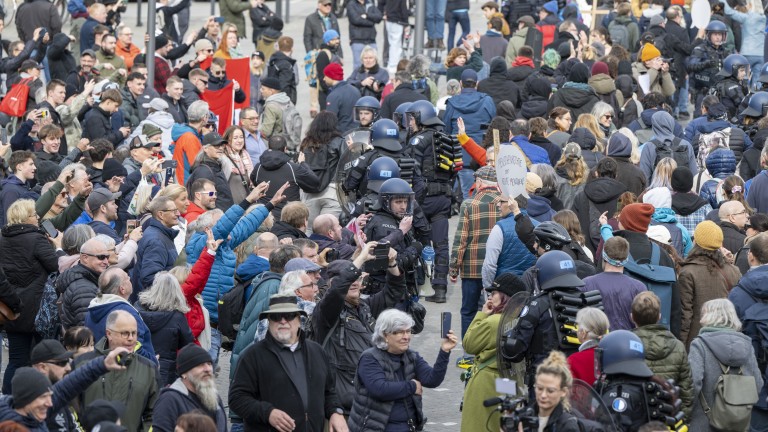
column 207, row 393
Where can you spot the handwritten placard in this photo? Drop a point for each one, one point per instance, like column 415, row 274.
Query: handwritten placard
column 510, row 170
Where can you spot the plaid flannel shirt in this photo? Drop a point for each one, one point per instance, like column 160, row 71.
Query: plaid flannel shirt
column 477, row 217
column 162, row 73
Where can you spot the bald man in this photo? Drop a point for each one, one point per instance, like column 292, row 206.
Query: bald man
column 329, row 234
column 115, row 288
column 79, row 284
column 733, row 218
column 258, row 261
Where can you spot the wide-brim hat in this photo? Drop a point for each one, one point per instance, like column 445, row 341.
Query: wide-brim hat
column 281, row 304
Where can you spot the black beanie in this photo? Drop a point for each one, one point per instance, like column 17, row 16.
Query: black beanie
column 682, row 179
column 625, row 68
column 579, row 73
column 27, row 385
column 190, row 357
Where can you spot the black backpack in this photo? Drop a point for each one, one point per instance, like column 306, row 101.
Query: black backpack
column 676, row 150
column 232, row 304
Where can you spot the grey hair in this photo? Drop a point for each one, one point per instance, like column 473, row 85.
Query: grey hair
column 205, row 220
column 600, row 109
column 452, row 87
column 291, row 281
column 74, row 238
column 164, row 294
column 110, row 281
column 368, row 50
column 197, row 111
column 158, row 204
column 72, row 168
column 547, row 174
column 389, row 321
column 106, row 240
column 593, row 321
column 418, row 67
column 115, row 315
column 719, row 313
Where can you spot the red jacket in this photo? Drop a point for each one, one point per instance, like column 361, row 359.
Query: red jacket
column 582, row 365
column 193, row 212
column 193, row 286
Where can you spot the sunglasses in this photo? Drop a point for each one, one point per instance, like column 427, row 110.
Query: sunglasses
column 59, row 363
column 210, row 194
column 279, row 317
column 204, row 81
column 218, row 73
column 608, row 116
column 98, row 257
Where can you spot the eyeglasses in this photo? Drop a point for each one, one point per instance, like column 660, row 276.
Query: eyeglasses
column 402, row 332
column 125, row 334
column 59, row 363
column 608, row 116
column 210, row 194
column 98, row 257
column 739, row 213
column 279, row 317
column 218, row 73
column 204, row 81
column 309, row 285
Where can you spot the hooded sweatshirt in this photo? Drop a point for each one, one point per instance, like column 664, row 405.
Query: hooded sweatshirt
column 599, row 195
column 663, row 126
column 539, row 90
column 576, row 94
column 96, row 320
column 475, row 107
column 497, row 86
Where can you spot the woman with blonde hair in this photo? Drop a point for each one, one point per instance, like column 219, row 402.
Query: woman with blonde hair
column 559, row 122
column 592, row 325
column 178, row 194
column 589, row 122
column 552, row 388
column 236, row 163
column 719, row 343
column 573, row 171
column 662, row 175
column 230, row 40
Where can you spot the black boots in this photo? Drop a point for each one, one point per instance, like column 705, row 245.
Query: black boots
column 439, row 296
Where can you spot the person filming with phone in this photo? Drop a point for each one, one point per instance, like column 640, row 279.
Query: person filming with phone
column 343, row 321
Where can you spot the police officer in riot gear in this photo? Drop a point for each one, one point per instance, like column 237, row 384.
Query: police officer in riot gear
column 734, row 86
column 366, row 111
column 706, row 60
column 547, row 322
column 385, row 140
column 432, row 184
column 621, row 359
column 399, row 117
column 391, row 222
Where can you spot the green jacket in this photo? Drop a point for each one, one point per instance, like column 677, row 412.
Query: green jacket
column 666, row 356
column 135, row 387
column 70, row 214
column 515, row 43
column 111, row 74
column 232, row 12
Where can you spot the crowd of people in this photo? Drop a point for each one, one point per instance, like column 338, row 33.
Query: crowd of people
column 145, row 228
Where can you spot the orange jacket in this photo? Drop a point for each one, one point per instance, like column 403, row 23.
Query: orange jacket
column 474, row 150
column 127, row 53
column 186, row 148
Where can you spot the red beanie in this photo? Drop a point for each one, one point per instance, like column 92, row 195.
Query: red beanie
column 334, row 71
column 599, row 68
column 636, row 217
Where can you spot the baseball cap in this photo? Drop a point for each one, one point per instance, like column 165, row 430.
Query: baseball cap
column 156, row 104
column 47, row 350
column 213, row 139
column 30, row 64
column 140, row 141
column 101, row 196
column 301, row 264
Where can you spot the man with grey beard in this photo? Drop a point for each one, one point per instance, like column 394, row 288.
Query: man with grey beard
column 195, row 389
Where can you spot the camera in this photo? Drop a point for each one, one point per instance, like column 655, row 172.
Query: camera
column 515, row 412
column 331, row 255
column 124, row 359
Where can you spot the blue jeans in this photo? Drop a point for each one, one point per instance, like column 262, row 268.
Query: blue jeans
column 357, row 49
column 215, row 346
column 759, row 420
column 682, row 99
column 457, row 17
column 467, row 177
column 436, row 18
column 237, row 427
column 19, row 349
column 471, row 290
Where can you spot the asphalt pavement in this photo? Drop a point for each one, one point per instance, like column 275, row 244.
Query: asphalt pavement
column 441, row 405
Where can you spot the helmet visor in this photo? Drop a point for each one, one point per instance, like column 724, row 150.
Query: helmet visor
column 399, row 205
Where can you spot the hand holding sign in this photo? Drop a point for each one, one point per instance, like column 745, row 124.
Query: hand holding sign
column 511, row 170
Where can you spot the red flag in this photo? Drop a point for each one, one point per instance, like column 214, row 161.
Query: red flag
column 240, row 70
column 221, row 102
column 206, row 63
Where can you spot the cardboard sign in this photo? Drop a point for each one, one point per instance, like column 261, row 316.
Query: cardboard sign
column 511, row 170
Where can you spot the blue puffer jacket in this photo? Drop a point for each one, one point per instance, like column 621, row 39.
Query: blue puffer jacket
column 234, row 231
column 752, row 290
column 720, row 164
column 514, row 256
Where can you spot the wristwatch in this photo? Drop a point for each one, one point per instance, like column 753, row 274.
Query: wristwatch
column 339, row 411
